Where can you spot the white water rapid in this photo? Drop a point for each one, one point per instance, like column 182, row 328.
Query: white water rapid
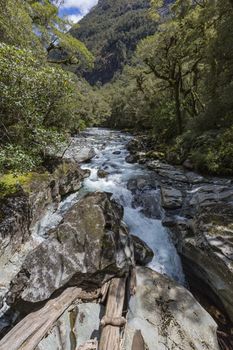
column 110, row 148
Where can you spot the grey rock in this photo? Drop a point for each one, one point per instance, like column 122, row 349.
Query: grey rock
column 86, row 249
column 171, row 198
column 102, row 173
column 208, row 252
column 149, row 203
column 131, row 159
column 143, row 254
column 164, row 315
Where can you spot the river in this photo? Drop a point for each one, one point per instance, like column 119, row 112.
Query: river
column 111, row 151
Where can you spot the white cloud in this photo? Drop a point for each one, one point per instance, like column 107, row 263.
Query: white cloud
column 83, row 6
column 74, row 18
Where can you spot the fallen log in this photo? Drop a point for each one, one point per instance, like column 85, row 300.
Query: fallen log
column 27, row 334
column 110, row 335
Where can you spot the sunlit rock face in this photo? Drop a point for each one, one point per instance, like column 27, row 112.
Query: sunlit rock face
column 87, row 248
column 164, row 315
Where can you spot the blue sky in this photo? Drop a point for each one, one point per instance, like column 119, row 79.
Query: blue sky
column 76, row 9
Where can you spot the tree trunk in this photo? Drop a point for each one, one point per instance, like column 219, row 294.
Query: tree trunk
column 178, row 108
column 113, row 320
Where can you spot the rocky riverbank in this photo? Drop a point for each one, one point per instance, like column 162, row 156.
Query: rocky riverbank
column 198, row 210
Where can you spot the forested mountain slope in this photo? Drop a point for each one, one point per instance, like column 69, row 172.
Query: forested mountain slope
column 111, row 31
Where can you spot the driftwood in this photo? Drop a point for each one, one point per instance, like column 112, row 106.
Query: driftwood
column 110, row 335
column 113, row 321
column 27, row 334
column 133, row 282
column 104, row 291
column 89, row 345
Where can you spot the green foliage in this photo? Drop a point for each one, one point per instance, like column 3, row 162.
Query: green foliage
column 35, row 25
column 39, row 104
column 180, row 84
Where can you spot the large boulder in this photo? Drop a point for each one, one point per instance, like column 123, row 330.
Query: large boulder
column 164, row 315
column 87, row 248
column 207, row 253
column 28, row 200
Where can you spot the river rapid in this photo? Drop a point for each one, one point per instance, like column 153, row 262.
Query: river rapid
column 111, row 152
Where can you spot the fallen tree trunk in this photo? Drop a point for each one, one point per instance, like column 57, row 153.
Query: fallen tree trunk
column 27, row 334
column 113, row 320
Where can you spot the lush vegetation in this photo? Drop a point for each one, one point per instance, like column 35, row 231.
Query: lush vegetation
column 41, row 101
column 179, row 88
column 176, row 85
column 111, row 31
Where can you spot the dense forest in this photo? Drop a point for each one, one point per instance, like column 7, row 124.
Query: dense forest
column 41, row 100
column 176, row 84
column 179, row 86
column 112, row 31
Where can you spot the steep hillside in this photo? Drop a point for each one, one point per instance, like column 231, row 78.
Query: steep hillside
column 111, row 31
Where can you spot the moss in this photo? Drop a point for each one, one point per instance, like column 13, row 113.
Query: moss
column 10, row 183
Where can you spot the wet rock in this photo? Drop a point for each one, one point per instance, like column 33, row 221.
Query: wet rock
column 86, row 249
column 102, row 173
column 149, row 202
column 142, row 183
column 201, row 196
column 171, row 198
column 164, row 315
column 143, row 254
column 208, row 252
column 134, row 145
column 116, row 152
column 131, row 159
column 168, row 171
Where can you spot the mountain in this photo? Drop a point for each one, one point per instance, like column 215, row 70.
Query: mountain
column 111, row 31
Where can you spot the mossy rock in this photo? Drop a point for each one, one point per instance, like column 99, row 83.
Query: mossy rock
column 154, row 155
column 11, row 184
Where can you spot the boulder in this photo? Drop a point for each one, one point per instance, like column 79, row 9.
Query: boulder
column 87, row 248
column 29, row 200
column 208, row 253
column 171, row 198
column 131, row 159
column 102, row 173
column 149, row 202
column 167, row 171
column 78, row 151
column 143, row 254
column 164, row 315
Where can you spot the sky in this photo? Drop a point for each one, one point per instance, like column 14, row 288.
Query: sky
column 76, row 9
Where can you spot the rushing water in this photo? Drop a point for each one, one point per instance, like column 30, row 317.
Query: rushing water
column 110, row 147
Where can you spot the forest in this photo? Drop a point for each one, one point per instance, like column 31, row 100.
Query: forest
column 172, row 79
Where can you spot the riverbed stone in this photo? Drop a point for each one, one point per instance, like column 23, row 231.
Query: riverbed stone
column 143, row 254
column 164, row 315
column 171, row 198
column 102, row 173
column 87, row 248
